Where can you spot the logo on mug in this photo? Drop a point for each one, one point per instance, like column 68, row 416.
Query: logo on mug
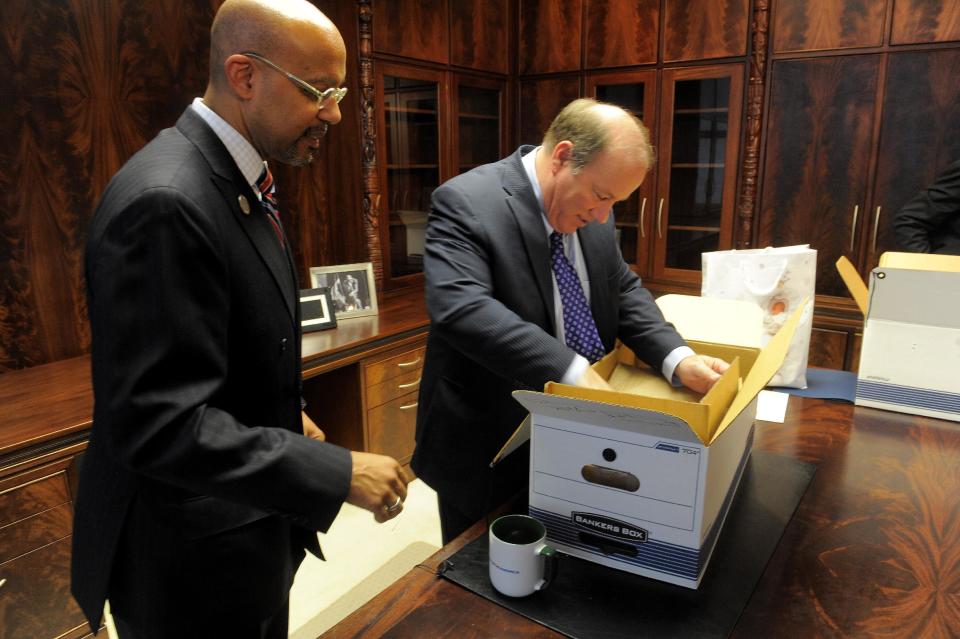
column 609, row 527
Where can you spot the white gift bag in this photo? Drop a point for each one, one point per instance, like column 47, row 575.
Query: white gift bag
column 777, row 279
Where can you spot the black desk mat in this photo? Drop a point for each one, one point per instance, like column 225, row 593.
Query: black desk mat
column 588, row 600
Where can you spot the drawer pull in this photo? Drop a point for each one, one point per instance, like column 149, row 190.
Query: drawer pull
column 406, row 364
column 2, row 581
column 409, row 406
column 410, row 385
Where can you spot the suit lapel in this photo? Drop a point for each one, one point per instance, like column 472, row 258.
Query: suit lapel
column 232, row 186
column 526, row 210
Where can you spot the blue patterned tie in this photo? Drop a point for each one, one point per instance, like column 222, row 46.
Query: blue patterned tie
column 580, row 331
column 268, row 191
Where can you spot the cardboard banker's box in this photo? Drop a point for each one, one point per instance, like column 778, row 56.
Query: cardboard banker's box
column 641, row 478
column 910, row 354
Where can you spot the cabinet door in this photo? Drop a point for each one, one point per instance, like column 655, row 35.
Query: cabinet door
column 697, row 173
column 635, row 91
column 410, row 147
column 803, row 25
column 818, row 136
column 622, row 32
column 478, row 34
column 917, row 21
column 549, row 36
column 918, row 136
column 703, row 29
column 541, row 101
column 479, row 108
column 411, row 28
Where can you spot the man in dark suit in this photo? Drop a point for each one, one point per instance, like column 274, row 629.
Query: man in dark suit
column 930, row 222
column 525, row 285
column 199, row 491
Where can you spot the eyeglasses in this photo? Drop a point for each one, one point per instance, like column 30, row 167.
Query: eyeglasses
column 334, row 93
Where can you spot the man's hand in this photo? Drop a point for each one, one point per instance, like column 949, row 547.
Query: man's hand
column 378, row 484
column 310, row 429
column 700, row 372
column 592, row 379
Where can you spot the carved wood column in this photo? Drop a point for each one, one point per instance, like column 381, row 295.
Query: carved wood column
column 368, row 132
column 756, row 86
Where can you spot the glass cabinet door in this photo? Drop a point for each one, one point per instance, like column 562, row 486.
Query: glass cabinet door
column 479, row 121
column 700, row 133
column 412, row 137
column 634, row 91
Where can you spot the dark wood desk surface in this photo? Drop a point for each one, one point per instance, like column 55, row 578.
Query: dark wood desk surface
column 872, row 551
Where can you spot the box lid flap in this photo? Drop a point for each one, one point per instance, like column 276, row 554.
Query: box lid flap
column 763, row 370
column 921, row 261
column 707, row 319
column 855, row 284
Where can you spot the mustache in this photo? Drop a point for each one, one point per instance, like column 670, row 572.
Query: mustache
column 318, row 131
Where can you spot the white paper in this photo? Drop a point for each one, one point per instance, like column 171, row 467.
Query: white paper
column 772, row 406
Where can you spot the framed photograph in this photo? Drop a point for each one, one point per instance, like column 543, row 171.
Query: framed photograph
column 316, row 310
column 352, row 290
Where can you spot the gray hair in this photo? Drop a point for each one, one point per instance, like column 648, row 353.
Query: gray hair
column 593, row 127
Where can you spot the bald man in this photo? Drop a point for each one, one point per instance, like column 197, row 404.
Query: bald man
column 525, row 285
column 204, row 482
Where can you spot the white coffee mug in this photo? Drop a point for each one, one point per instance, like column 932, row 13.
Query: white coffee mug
column 521, row 562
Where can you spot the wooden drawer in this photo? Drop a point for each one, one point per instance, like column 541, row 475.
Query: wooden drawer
column 35, row 532
column 391, row 428
column 395, row 366
column 32, row 498
column 393, row 388
column 35, row 601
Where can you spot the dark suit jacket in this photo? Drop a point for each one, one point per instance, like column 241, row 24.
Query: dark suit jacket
column 930, row 222
column 490, row 298
column 197, row 453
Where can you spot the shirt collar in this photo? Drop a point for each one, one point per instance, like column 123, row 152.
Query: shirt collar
column 246, row 157
column 530, row 166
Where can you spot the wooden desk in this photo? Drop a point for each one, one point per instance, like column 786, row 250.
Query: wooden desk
column 873, row 550
column 46, row 414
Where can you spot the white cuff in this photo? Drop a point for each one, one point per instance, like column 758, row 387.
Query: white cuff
column 575, row 370
column 671, row 361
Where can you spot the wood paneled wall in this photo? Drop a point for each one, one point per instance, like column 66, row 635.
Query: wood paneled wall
column 85, row 85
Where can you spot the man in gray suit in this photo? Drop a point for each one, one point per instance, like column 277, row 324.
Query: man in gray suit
column 525, row 285
column 199, row 490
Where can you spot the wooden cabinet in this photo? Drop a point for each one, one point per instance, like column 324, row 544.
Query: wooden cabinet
column 428, row 119
column 920, row 21
column 417, row 29
column 817, row 158
column 36, row 519
column 621, row 33
column 549, row 39
column 478, row 34
column 685, row 205
column 410, row 146
column 391, row 383
column 705, row 29
column 822, row 141
column 802, row 25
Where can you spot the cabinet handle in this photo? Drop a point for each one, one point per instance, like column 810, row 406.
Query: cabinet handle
column 406, row 364
column 409, row 406
column 2, row 581
column 410, row 385
column 876, row 227
column 643, row 207
column 853, row 227
column 659, row 216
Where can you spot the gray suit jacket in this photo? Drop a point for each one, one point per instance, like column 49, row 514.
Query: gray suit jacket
column 196, row 377
column 490, row 298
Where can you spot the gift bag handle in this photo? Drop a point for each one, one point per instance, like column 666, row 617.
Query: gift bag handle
column 747, row 268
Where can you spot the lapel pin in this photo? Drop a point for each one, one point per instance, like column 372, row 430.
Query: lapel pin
column 244, row 205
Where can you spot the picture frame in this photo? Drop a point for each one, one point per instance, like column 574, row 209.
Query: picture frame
column 353, row 292
column 316, row 310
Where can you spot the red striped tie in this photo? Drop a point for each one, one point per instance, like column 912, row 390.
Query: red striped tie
column 268, row 192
